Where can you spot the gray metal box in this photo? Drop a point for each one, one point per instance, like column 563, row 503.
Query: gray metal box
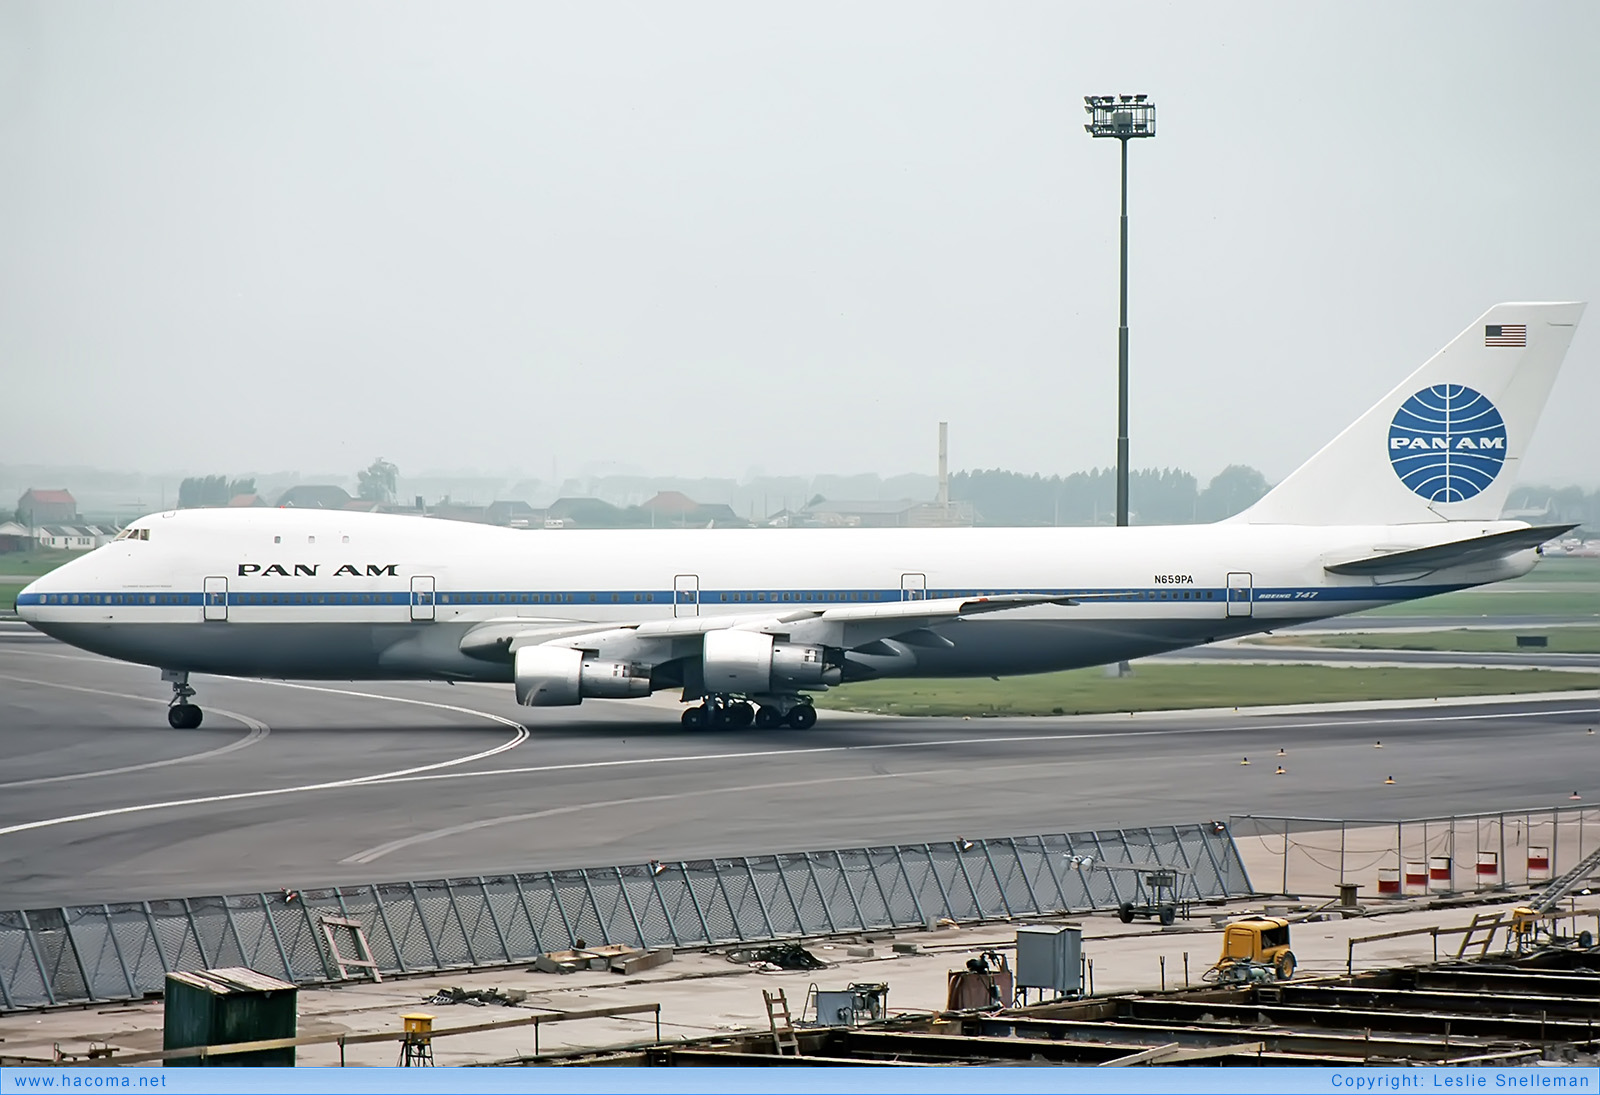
column 1049, row 956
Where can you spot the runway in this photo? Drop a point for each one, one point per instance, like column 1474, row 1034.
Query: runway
column 291, row 785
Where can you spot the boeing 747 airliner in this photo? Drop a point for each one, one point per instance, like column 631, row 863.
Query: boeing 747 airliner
column 1405, row 503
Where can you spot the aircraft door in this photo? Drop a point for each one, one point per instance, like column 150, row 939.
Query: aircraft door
column 913, row 587
column 1240, row 594
column 422, row 597
column 686, row 594
column 215, row 599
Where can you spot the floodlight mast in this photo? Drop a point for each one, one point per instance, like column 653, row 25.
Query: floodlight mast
column 1123, row 117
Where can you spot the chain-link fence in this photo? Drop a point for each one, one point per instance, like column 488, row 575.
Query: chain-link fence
column 124, row 950
column 1390, row 859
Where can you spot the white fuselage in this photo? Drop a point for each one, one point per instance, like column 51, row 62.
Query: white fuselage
column 342, row 595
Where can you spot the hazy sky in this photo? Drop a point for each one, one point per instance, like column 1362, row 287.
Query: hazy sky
column 705, row 238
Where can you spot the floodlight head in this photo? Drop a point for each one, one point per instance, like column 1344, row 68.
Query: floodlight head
column 1123, row 117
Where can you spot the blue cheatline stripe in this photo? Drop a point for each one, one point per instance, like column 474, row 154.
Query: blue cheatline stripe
column 718, row 597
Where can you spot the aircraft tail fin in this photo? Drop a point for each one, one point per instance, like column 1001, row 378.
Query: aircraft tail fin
column 1445, row 444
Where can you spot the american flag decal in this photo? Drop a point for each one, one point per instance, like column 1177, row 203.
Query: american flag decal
column 1505, row 334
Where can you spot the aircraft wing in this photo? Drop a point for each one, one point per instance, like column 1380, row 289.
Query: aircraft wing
column 834, row 625
column 1478, row 549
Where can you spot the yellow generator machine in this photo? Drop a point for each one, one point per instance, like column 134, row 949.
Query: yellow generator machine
column 1254, row 950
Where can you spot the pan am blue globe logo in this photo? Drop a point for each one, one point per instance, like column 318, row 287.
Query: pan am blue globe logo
column 1447, row 443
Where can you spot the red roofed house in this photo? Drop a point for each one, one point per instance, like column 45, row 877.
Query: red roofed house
column 47, row 507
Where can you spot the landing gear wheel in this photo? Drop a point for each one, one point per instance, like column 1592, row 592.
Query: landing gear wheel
column 184, row 716
column 767, row 718
column 741, row 714
column 694, row 717
column 802, row 716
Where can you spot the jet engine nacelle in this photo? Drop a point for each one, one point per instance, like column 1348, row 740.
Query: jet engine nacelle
column 755, row 664
column 556, row 676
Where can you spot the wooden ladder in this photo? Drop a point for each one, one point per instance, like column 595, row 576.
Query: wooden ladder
column 782, row 1024
column 362, row 960
column 1488, row 923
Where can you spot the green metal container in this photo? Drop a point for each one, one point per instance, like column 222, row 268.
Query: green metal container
column 226, row 1006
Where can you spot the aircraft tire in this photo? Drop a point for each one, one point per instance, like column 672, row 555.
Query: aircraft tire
column 741, row 714
column 694, row 717
column 184, row 716
column 802, row 716
column 767, row 718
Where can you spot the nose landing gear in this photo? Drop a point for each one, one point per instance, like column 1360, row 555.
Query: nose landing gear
column 181, row 714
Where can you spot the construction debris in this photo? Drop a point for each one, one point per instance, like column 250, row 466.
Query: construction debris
column 477, row 997
column 783, row 956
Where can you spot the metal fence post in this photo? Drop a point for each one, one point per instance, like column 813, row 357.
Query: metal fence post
column 1285, row 890
column 566, row 921
column 788, row 891
column 694, row 899
column 1055, row 878
column 722, row 888
column 494, row 919
column 5, row 993
column 238, row 941
column 38, row 959
column 949, row 909
column 194, row 929
column 1111, row 876
column 605, row 927
column 827, row 908
column 466, row 936
column 116, row 948
column 1027, row 883
column 77, row 955
column 622, row 888
column 1344, row 827
column 755, row 889
column 961, row 861
column 383, row 918
column 999, row 885
column 155, row 937
column 522, row 899
column 844, row 876
column 905, row 876
column 277, row 941
column 422, row 920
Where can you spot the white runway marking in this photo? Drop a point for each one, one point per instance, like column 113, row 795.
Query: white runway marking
column 934, row 743
column 381, row 850
column 516, row 739
column 257, row 731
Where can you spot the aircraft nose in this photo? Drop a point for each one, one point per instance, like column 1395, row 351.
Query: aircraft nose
column 28, row 601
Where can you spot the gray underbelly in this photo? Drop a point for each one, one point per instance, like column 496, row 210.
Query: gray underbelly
column 309, row 651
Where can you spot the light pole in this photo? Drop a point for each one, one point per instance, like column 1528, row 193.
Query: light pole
column 1123, row 117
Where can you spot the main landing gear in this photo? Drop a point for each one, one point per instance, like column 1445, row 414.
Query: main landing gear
column 725, row 712
column 181, row 714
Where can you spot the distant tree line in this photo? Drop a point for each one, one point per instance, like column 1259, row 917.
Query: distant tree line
column 1156, row 496
column 211, row 490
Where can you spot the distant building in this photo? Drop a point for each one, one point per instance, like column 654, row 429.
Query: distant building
column 15, row 537
column 515, row 514
column 899, row 513
column 246, row 501
column 583, row 513
column 47, row 507
column 454, row 511
column 66, row 537
column 312, row 496
column 674, row 509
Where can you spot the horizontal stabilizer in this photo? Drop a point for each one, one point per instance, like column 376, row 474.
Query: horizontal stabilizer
column 1479, row 549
